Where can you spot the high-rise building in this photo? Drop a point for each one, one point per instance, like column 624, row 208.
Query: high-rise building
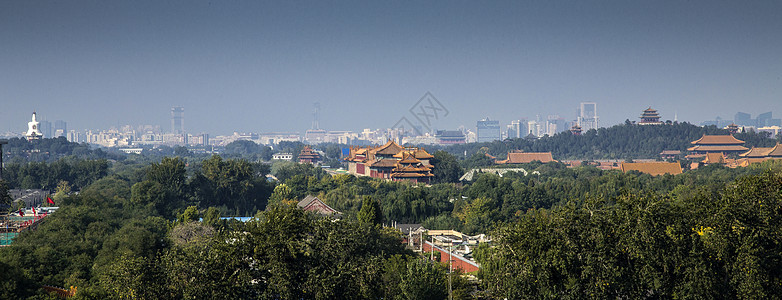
column 534, row 128
column 177, row 120
column 587, row 116
column 515, row 130
column 744, row 119
column 46, row 128
column 60, row 128
column 488, row 130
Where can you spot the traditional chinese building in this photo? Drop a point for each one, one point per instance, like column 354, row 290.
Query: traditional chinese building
column 715, row 158
column 392, row 162
column 732, row 128
column 519, row 157
column 314, row 204
column 670, row 154
column 307, row 155
column 653, row 168
column 763, row 152
column 450, row 137
column 650, row 117
column 576, row 129
column 717, row 144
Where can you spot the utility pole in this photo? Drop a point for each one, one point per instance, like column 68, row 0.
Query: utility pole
column 432, row 248
column 450, row 271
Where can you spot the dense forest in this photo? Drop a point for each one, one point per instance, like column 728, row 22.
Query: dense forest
column 148, row 227
column 626, row 141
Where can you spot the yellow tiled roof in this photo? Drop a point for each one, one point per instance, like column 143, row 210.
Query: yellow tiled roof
column 653, row 168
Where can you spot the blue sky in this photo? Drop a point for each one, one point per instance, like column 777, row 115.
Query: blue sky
column 253, row 66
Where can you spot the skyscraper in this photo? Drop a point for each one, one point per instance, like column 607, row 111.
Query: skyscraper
column 488, row 130
column 177, row 120
column 587, row 116
column 46, row 128
column 60, row 128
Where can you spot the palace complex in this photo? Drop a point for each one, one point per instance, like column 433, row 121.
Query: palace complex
column 726, row 144
column 392, row 162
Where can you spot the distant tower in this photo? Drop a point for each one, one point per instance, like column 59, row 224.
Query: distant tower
column 650, row 117
column 60, row 128
column 733, row 128
column 315, row 135
column 33, row 133
column 177, row 120
column 575, row 130
column 587, row 116
column 316, row 116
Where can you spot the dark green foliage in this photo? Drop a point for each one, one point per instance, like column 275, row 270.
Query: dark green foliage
column 446, row 168
column 14, row 283
column 52, row 149
column 696, row 246
column 232, row 183
column 5, row 199
column 41, row 175
column 616, row 142
column 370, row 212
column 412, row 278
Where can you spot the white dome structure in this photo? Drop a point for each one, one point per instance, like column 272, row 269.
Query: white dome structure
column 33, row 132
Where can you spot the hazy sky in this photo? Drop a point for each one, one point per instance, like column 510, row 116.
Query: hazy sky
column 253, row 66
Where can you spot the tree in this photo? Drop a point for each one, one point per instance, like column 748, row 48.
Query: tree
column 233, row 183
column 370, row 212
column 5, row 199
column 242, row 148
column 446, row 168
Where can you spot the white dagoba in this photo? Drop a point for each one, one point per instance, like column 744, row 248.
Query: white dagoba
column 33, row 132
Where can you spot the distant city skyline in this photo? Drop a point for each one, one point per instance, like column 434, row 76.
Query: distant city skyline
column 260, row 66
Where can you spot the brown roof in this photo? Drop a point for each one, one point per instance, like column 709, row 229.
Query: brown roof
column 409, row 158
column 389, row 148
column 714, row 158
column 417, row 152
column 757, row 152
column 717, row 140
column 312, row 203
column 670, row 152
column 653, row 168
column 743, row 162
column 383, row 163
column 527, row 157
column 776, row 151
column 716, row 148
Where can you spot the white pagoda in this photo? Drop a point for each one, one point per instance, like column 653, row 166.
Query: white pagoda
column 33, row 132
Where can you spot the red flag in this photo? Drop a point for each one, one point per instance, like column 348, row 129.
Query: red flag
column 21, row 213
column 34, row 212
column 48, row 199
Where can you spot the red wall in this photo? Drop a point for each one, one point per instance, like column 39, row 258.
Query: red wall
column 457, row 262
column 360, row 168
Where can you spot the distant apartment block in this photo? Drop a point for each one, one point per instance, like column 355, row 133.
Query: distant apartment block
column 762, row 120
column 177, row 120
column 488, row 130
column 587, row 116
